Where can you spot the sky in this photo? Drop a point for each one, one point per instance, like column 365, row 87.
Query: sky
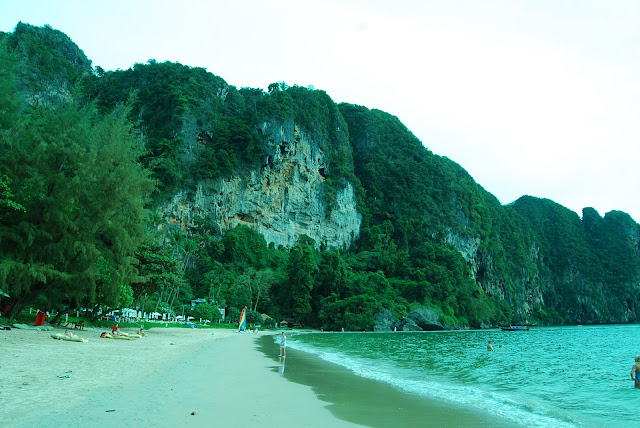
column 537, row 98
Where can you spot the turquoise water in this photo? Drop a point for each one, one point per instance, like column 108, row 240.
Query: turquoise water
column 545, row 377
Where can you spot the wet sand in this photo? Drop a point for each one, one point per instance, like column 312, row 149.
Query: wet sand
column 370, row 402
column 197, row 378
column 172, row 377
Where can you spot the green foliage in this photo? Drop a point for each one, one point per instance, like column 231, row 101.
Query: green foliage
column 245, row 247
column 9, row 111
column 77, row 176
column 206, row 311
column 413, row 200
column 560, row 231
column 6, row 196
column 232, row 316
column 193, row 121
column 300, row 269
column 352, row 313
column 603, row 250
column 50, row 62
column 157, row 269
column 253, row 317
column 160, row 307
column 10, row 102
column 125, row 296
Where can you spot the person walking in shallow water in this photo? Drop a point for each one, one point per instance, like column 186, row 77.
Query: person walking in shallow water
column 283, row 345
column 489, row 346
column 635, row 372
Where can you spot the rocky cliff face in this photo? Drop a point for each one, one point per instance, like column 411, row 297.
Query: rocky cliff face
column 547, row 264
column 534, row 289
column 282, row 200
column 526, row 290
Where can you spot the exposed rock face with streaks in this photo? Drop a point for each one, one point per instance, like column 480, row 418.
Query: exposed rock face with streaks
column 282, row 200
column 530, row 261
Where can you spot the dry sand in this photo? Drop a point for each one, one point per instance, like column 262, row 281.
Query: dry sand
column 172, row 377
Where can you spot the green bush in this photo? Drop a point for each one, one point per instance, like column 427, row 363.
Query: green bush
column 206, row 311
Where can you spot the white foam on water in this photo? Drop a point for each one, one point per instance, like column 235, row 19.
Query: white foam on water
column 531, row 415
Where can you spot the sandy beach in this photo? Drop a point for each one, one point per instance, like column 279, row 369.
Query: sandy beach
column 172, row 377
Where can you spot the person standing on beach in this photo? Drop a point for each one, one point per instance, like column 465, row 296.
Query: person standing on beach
column 489, row 346
column 635, row 372
column 283, row 345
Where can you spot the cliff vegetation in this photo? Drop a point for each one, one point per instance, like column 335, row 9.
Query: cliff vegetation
column 157, row 185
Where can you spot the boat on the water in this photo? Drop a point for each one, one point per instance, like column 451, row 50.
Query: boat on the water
column 515, row 328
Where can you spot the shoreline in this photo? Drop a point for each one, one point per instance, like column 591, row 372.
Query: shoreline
column 198, row 377
column 193, row 377
column 371, row 402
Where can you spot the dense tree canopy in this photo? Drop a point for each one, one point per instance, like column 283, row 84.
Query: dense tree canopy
column 83, row 193
column 81, row 148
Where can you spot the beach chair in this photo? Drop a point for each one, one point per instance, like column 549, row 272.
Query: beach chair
column 79, row 325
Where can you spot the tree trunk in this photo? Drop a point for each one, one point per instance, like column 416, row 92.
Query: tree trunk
column 142, row 300
column 257, row 298
column 173, row 297
column 59, row 315
column 95, row 312
column 16, row 306
column 159, row 298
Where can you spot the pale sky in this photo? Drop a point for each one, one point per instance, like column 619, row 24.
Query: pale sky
column 530, row 97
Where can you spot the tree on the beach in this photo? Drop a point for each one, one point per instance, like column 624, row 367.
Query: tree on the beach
column 206, row 311
column 84, row 194
column 110, row 292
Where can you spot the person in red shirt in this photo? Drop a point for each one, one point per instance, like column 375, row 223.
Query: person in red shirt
column 115, row 330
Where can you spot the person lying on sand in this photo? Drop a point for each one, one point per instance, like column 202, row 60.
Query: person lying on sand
column 69, row 334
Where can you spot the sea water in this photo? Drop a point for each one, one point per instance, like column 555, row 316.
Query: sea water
column 544, row 377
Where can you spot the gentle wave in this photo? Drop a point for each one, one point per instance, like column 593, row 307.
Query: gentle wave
column 404, row 379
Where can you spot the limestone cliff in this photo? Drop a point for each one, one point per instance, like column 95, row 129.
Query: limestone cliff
column 290, row 162
column 525, row 292
column 283, row 199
